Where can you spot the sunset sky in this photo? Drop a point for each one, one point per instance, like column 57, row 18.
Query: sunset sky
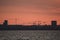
column 29, row 11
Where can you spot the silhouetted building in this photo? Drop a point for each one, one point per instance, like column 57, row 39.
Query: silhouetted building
column 5, row 23
column 54, row 24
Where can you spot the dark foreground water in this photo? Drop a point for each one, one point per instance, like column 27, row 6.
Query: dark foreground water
column 30, row 35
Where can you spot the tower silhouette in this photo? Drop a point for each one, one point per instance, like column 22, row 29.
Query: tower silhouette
column 5, row 23
column 54, row 24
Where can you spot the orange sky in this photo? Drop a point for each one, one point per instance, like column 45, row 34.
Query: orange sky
column 29, row 11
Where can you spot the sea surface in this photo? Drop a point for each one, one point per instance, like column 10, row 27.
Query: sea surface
column 30, row 35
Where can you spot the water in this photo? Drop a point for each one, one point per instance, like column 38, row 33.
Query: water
column 30, row 35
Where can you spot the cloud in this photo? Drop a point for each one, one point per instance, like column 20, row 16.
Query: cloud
column 49, row 7
column 43, row 3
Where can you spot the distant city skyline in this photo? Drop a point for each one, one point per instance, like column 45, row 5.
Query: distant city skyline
column 6, row 26
column 30, row 23
column 29, row 11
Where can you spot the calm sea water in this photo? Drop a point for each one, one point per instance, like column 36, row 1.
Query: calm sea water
column 30, row 35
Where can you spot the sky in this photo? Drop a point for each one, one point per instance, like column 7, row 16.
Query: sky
column 29, row 11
